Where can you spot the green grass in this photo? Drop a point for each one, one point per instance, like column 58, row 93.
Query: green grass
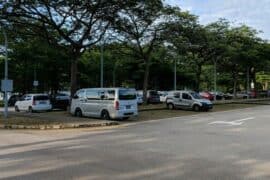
column 1, row 103
column 146, row 112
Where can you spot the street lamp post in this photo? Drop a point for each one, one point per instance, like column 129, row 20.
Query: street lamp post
column 175, row 76
column 101, row 63
column 6, row 73
column 215, row 80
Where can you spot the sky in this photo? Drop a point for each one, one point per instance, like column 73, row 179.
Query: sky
column 254, row 13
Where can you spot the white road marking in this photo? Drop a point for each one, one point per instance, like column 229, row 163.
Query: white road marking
column 233, row 123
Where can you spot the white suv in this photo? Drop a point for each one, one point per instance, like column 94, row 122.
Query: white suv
column 105, row 103
column 33, row 102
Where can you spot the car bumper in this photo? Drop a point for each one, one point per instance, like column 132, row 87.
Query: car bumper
column 42, row 108
column 122, row 114
column 207, row 106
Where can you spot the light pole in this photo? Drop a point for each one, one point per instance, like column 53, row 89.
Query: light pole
column 175, row 76
column 101, row 63
column 215, row 79
column 6, row 72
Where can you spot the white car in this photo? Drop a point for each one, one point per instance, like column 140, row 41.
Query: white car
column 187, row 100
column 105, row 103
column 162, row 96
column 33, row 102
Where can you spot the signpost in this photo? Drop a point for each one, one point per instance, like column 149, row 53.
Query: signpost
column 6, row 84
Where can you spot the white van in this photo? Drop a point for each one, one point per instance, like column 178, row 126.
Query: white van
column 187, row 100
column 105, row 103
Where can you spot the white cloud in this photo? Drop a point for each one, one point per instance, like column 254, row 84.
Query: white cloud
column 254, row 13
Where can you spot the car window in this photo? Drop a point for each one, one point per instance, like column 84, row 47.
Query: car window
column 127, row 94
column 80, row 94
column 110, row 94
column 186, row 96
column 27, row 98
column 176, row 95
column 41, row 98
column 92, row 94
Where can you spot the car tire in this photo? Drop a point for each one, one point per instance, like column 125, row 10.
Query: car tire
column 17, row 109
column 105, row 115
column 78, row 113
column 196, row 108
column 125, row 118
column 170, row 106
column 30, row 109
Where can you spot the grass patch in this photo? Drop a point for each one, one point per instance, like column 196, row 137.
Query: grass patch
column 146, row 112
column 1, row 103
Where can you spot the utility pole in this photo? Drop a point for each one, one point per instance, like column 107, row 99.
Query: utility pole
column 215, row 79
column 6, row 73
column 175, row 74
column 101, row 63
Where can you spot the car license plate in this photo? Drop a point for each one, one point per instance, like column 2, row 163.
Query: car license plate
column 128, row 107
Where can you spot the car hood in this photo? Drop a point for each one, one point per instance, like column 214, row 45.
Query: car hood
column 204, row 101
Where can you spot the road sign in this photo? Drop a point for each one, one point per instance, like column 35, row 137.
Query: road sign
column 7, row 85
column 35, row 83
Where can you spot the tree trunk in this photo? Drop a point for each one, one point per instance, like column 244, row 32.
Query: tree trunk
column 145, row 80
column 73, row 75
column 198, row 78
column 234, row 84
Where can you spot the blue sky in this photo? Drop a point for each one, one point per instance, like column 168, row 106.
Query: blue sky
column 254, row 13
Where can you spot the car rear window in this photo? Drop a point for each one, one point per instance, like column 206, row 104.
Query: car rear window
column 153, row 93
column 41, row 98
column 127, row 94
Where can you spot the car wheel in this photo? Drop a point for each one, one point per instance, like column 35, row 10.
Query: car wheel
column 17, row 109
column 78, row 113
column 30, row 109
column 105, row 115
column 125, row 118
column 170, row 106
column 196, row 108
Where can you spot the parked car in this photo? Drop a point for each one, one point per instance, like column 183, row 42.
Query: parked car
column 33, row 102
column 162, row 96
column 218, row 95
column 60, row 101
column 207, row 95
column 139, row 99
column 13, row 99
column 187, row 100
column 242, row 95
column 228, row 96
column 152, row 96
column 105, row 103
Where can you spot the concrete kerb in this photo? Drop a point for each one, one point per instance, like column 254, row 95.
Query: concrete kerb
column 58, row 126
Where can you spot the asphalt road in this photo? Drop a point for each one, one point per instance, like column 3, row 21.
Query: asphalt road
column 228, row 145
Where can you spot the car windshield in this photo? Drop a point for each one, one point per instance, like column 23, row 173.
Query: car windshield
column 196, row 95
column 41, row 98
column 153, row 93
column 127, row 94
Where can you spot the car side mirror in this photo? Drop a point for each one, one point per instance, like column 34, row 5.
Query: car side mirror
column 75, row 96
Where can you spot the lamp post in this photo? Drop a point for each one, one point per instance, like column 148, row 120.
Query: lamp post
column 101, row 63
column 6, row 73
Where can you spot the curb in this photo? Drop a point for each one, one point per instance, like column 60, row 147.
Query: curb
column 58, row 126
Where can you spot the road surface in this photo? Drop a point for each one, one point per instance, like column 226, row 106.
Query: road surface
column 230, row 145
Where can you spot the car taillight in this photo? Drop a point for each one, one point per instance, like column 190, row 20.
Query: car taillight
column 116, row 105
column 34, row 103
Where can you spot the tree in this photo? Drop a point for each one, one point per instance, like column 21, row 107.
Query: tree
column 140, row 29
column 74, row 24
